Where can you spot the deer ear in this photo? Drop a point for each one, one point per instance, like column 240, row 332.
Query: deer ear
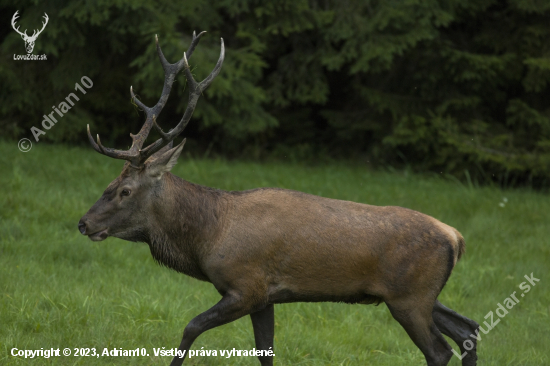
column 165, row 162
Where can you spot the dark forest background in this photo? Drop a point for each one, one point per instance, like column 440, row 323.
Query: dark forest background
column 459, row 87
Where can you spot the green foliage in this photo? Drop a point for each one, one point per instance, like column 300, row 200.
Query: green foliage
column 448, row 86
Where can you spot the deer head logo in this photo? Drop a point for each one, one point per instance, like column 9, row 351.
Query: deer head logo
column 29, row 41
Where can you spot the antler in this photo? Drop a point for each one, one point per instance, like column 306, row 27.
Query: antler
column 13, row 20
column 136, row 155
column 35, row 34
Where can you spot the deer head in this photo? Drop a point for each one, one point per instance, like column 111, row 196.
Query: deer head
column 124, row 209
column 29, row 41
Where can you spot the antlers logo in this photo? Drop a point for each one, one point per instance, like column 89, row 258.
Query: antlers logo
column 29, row 40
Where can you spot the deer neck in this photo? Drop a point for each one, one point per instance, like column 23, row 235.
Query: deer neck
column 189, row 218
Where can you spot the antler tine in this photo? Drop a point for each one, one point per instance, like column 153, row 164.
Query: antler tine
column 208, row 80
column 137, row 101
column 43, row 24
column 170, row 72
column 194, row 43
column 195, row 91
column 131, row 155
column 14, row 20
column 92, row 142
column 163, row 61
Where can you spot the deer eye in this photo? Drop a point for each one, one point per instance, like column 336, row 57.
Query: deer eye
column 125, row 192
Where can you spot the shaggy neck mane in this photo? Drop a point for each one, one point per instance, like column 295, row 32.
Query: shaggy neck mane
column 189, row 218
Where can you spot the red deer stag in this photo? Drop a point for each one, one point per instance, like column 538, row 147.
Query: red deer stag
column 270, row 246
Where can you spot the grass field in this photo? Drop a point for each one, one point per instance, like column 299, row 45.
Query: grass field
column 60, row 290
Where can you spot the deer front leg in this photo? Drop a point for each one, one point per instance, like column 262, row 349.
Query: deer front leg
column 263, row 322
column 231, row 307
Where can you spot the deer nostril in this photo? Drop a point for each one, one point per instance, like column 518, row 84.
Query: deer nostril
column 82, row 227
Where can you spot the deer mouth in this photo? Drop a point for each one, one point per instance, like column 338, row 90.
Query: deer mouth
column 99, row 235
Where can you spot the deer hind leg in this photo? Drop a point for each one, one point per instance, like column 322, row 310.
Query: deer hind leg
column 459, row 329
column 417, row 320
column 263, row 322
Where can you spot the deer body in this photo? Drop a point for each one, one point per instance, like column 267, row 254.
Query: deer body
column 302, row 247
column 268, row 246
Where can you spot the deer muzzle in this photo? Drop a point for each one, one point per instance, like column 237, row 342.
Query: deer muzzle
column 94, row 235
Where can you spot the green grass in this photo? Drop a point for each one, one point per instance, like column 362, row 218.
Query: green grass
column 58, row 289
